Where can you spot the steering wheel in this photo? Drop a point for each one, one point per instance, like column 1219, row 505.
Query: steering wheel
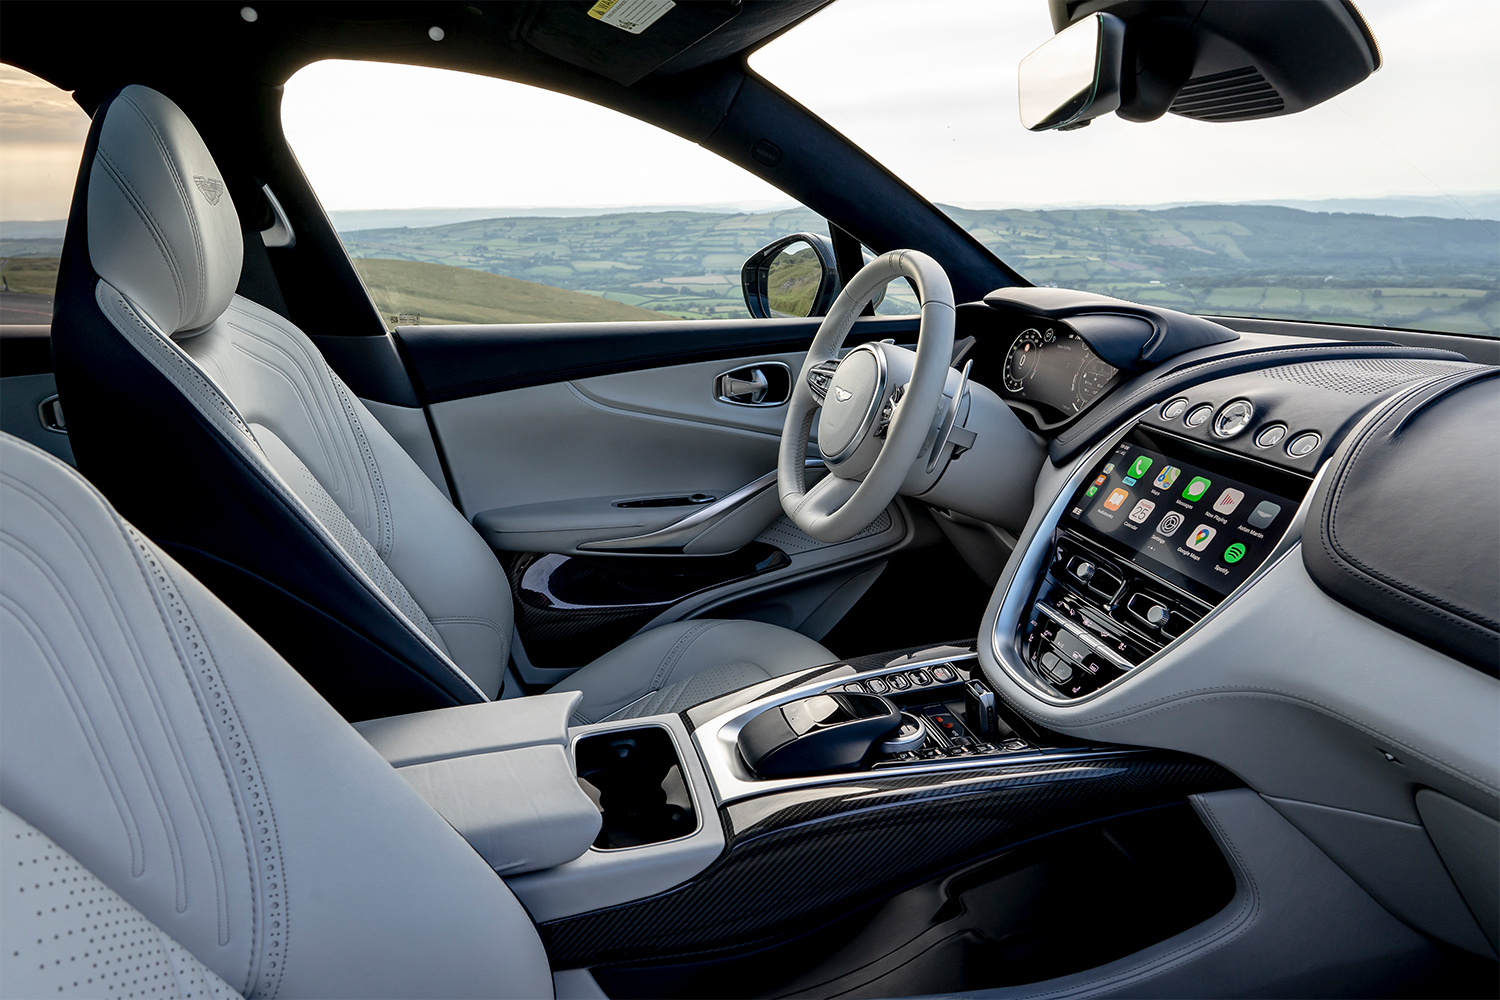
column 875, row 421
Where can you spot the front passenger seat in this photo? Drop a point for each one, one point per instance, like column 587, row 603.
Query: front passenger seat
column 215, row 425
column 182, row 816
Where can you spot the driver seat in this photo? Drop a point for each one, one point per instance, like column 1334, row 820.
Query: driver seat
column 215, row 425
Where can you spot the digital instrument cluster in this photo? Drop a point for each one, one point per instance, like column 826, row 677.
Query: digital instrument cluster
column 1051, row 367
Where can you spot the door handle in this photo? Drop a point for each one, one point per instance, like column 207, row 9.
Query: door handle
column 767, row 383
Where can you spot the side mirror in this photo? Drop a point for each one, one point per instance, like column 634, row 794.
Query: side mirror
column 1074, row 76
column 796, row 275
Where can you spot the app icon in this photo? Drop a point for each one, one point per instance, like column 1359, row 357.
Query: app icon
column 1167, row 477
column 1200, row 538
column 1196, row 488
column 1169, row 525
column 1091, row 491
column 1116, row 498
column 1139, row 466
column 1141, row 511
column 1109, row 468
column 1264, row 513
column 1228, row 501
column 1234, row 553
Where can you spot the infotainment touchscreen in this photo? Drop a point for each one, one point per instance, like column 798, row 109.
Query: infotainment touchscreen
column 1179, row 517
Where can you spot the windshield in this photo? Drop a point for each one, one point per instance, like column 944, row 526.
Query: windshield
column 1375, row 208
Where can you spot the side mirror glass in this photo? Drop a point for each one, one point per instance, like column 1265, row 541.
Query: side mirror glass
column 793, row 276
column 1073, row 77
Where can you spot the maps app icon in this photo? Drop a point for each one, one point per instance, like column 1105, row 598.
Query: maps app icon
column 1167, row 477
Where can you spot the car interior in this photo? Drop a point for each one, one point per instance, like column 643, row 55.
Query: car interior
column 1033, row 643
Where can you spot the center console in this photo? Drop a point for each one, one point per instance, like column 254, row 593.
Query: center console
column 1161, row 530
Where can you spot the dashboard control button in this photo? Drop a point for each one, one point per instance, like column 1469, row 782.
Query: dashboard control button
column 876, row 686
column 919, row 678
column 944, row 675
column 1233, row 418
column 898, row 682
column 855, row 686
column 1199, row 415
column 1057, row 668
column 1303, row 444
column 1173, row 408
column 1157, row 615
column 1084, row 570
column 1270, row 436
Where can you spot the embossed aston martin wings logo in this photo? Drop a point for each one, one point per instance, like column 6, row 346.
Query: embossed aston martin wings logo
column 212, row 188
column 841, row 394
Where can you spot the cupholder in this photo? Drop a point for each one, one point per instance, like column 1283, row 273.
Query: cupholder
column 635, row 778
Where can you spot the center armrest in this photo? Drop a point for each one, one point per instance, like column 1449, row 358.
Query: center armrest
column 501, row 774
column 421, row 737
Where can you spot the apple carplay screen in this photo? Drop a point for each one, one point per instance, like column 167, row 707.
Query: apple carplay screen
column 1184, row 518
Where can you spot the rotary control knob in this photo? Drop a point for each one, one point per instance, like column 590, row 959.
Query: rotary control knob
column 1157, row 616
column 1084, row 570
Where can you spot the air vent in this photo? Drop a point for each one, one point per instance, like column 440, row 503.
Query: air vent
column 1235, row 96
column 1359, row 376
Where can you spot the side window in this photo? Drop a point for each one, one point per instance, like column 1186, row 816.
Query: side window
column 41, row 142
column 465, row 199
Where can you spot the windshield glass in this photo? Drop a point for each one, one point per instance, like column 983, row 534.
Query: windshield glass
column 1375, row 208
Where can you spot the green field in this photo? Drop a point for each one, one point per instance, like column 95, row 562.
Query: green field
column 29, row 275
column 412, row 293
column 792, row 282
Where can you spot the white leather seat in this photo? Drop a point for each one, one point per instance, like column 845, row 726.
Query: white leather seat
column 216, row 425
column 182, row 816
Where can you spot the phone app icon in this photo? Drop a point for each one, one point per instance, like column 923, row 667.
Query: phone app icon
column 1196, row 488
column 1166, row 477
column 1200, row 537
column 1116, row 498
column 1228, row 501
column 1264, row 513
column 1091, row 491
column 1169, row 525
column 1234, row 553
column 1139, row 466
column 1141, row 511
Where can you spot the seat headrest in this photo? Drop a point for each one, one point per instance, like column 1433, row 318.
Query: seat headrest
column 162, row 228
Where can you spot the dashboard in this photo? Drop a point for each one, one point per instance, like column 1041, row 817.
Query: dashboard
column 1050, row 370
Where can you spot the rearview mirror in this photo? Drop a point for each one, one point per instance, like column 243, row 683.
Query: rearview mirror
column 1074, row 76
column 794, row 276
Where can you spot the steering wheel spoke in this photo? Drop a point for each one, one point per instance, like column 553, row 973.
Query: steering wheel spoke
column 819, row 377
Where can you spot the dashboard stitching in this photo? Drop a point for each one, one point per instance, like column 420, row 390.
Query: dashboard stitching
column 1164, row 704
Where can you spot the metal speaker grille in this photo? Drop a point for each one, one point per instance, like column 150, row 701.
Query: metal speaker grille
column 1359, row 376
column 1228, row 97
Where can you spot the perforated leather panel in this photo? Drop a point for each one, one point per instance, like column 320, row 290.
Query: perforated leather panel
column 64, row 933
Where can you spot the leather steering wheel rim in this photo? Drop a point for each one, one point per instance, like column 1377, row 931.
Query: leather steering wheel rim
column 836, row 508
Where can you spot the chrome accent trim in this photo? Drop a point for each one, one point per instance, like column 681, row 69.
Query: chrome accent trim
column 52, row 417
column 877, row 400
column 941, row 441
column 672, row 534
column 718, row 743
column 1091, row 641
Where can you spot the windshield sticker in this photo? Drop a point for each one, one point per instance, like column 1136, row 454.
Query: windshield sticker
column 634, row 16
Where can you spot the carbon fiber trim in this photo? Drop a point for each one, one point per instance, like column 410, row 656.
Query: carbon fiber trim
column 798, row 859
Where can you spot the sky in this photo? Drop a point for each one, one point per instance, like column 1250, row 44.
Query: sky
column 941, row 114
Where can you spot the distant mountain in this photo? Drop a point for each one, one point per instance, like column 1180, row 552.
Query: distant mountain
column 50, row 229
